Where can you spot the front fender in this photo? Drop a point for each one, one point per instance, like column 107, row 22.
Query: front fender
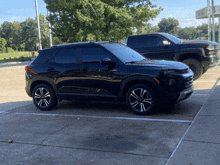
column 134, row 79
column 181, row 52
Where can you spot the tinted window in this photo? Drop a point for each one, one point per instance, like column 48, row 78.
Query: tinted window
column 94, row 54
column 145, row 41
column 124, row 53
column 172, row 38
column 66, row 56
column 45, row 56
column 138, row 41
column 155, row 41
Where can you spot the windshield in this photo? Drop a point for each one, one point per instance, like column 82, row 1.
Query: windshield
column 124, row 53
column 173, row 38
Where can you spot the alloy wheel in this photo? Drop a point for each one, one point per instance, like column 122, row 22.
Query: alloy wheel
column 140, row 99
column 42, row 97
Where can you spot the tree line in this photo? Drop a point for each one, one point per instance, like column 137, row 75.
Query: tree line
column 171, row 25
column 23, row 36
column 89, row 20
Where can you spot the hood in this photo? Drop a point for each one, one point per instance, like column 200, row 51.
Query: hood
column 198, row 42
column 161, row 64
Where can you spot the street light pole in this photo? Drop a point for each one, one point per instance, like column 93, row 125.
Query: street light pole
column 213, row 23
column 209, row 21
column 38, row 26
column 49, row 26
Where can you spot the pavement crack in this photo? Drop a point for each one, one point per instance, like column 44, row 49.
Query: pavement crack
column 194, row 141
column 88, row 149
column 52, row 133
column 14, row 109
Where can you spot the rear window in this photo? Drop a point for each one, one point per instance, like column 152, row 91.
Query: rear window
column 45, row 55
column 67, row 55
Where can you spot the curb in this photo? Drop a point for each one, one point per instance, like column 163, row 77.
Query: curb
column 14, row 63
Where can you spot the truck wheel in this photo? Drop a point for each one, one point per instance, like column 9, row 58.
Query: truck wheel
column 141, row 99
column 204, row 70
column 195, row 66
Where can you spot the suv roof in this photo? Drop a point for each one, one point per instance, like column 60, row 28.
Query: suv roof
column 80, row 43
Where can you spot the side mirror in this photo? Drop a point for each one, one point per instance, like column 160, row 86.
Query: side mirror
column 166, row 43
column 107, row 61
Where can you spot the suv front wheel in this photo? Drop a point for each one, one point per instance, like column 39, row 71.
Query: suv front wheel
column 141, row 99
column 44, row 97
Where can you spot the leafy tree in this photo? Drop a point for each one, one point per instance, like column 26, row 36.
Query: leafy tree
column 29, row 34
column 149, row 28
column 3, row 42
column 6, row 32
column 96, row 20
column 189, row 33
column 22, row 46
column 169, row 25
column 44, row 31
column 16, row 34
column 204, row 29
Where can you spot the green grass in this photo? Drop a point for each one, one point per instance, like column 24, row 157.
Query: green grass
column 16, row 56
column 15, row 59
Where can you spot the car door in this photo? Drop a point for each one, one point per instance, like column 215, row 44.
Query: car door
column 98, row 79
column 155, row 49
column 67, row 71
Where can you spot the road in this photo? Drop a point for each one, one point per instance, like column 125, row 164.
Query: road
column 87, row 132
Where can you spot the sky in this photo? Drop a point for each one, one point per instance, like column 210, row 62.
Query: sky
column 182, row 10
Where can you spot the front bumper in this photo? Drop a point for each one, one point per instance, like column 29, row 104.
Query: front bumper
column 211, row 61
column 185, row 94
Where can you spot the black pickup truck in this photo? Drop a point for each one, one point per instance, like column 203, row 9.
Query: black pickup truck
column 198, row 55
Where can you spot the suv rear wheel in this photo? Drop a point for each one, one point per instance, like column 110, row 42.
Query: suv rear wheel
column 141, row 99
column 44, row 97
column 195, row 66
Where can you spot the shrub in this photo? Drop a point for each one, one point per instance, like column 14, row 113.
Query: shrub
column 10, row 50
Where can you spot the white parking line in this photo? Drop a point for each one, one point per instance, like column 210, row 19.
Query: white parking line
column 104, row 117
column 200, row 94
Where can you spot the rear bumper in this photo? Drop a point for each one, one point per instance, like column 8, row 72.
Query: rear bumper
column 27, row 85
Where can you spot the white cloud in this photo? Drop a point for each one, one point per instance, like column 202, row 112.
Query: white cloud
column 185, row 15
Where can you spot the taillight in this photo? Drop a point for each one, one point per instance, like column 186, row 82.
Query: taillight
column 29, row 69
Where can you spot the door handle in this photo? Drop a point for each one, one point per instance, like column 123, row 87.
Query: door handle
column 50, row 68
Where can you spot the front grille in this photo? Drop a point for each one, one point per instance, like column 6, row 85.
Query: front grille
column 188, row 82
column 182, row 71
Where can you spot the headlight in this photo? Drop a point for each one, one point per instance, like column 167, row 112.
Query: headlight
column 170, row 78
column 210, row 47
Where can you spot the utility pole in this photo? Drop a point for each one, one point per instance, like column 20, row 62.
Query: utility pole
column 213, row 22
column 209, row 21
column 219, row 33
column 38, row 26
column 49, row 26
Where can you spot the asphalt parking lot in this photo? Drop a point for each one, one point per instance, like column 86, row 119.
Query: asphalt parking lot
column 87, row 132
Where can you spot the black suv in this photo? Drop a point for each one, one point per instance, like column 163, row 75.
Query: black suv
column 105, row 70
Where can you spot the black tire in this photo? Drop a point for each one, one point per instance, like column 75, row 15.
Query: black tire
column 44, row 97
column 195, row 66
column 141, row 99
column 204, row 70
